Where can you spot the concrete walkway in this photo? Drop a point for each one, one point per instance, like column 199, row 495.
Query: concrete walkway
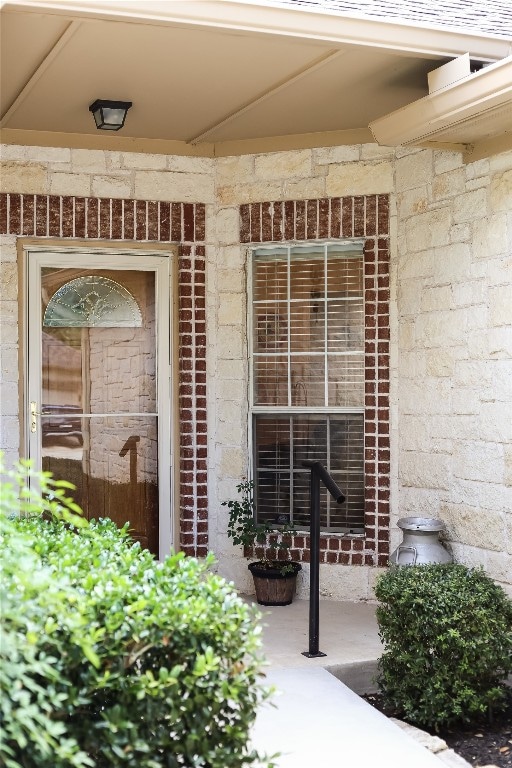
column 317, row 721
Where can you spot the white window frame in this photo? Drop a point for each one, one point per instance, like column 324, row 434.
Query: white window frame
column 255, row 410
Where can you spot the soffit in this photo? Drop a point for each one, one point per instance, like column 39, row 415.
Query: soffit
column 209, row 84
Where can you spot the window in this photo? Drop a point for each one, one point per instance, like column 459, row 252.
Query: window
column 308, row 379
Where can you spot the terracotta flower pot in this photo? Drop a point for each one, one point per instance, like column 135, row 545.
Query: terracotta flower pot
column 273, row 587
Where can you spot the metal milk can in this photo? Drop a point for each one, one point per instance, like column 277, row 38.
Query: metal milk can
column 421, row 543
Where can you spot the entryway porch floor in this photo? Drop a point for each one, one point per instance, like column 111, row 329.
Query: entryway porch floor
column 316, row 719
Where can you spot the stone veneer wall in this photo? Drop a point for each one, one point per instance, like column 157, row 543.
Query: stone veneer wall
column 450, row 322
column 453, row 278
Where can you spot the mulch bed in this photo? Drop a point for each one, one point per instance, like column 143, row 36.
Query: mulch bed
column 481, row 744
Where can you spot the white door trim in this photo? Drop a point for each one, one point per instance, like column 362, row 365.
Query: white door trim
column 37, row 256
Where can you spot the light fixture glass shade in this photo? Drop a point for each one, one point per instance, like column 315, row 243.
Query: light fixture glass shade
column 109, row 115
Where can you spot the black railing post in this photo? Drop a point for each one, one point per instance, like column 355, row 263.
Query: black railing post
column 318, row 472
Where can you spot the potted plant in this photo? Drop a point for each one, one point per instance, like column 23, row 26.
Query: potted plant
column 274, row 578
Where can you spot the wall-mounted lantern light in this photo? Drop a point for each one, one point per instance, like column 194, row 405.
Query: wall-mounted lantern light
column 109, row 115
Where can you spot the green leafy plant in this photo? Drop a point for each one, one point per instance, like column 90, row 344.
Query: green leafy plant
column 447, row 632
column 109, row 658
column 245, row 530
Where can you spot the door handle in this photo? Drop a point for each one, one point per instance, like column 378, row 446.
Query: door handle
column 34, row 413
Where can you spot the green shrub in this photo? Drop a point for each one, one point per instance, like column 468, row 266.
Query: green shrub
column 447, row 633
column 109, row 658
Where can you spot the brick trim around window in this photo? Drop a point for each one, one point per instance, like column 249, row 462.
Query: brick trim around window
column 337, row 218
column 52, row 216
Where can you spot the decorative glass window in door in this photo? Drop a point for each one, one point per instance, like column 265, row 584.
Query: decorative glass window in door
column 308, row 379
column 92, row 301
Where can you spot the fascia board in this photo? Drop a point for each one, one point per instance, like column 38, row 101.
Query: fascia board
column 254, row 17
column 476, row 94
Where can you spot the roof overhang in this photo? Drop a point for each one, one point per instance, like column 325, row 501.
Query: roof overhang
column 328, row 78
column 475, row 108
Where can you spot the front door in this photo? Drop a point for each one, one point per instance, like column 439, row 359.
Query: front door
column 98, row 383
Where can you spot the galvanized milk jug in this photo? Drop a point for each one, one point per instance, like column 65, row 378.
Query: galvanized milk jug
column 421, row 543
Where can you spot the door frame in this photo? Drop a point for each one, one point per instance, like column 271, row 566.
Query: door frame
column 162, row 260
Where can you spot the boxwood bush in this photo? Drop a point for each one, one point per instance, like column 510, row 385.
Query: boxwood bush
column 447, row 633
column 109, row 658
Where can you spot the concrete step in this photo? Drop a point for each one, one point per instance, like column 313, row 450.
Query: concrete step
column 318, row 722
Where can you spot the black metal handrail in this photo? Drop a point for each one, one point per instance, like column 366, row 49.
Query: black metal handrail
column 318, row 472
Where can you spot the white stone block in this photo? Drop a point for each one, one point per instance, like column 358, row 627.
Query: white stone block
column 9, row 362
column 416, row 265
column 10, row 398
column 230, row 257
column 413, row 201
column 430, row 398
column 441, row 329
column 142, row 162
column 48, row 154
column 230, row 343
column 449, row 184
column 230, row 171
column 342, row 154
column 230, row 368
column 501, row 162
column 304, row 189
column 112, row 186
column 9, row 438
column 179, row 187
column 8, row 249
column 460, row 233
column 490, row 237
column 8, row 325
column 255, row 192
column 451, row 263
column 435, row 299
column 228, row 226
column 23, row 177
column 283, row 165
column 375, row 151
column 9, row 281
column 495, row 422
column 230, row 280
column 78, row 184
column 465, row 400
column 359, row 179
column 470, row 206
column 88, row 161
column 447, row 161
column 422, row 470
column 231, row 432
column 476, row 460
column 232, row 463
column 414, row 432
column 499, row 566
column 409, row 297
column 231, row 309
column 478, row 168
column 500, row 303
column 414, row 170
column 501, row 192
column 439, row 362
column 479, row 183
column 469, row 293
column 473, row 525
column 185, row 164
column 428, row 230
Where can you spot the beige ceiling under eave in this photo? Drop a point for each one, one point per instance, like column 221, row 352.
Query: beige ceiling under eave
column 475, row 111
column 214, row 77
